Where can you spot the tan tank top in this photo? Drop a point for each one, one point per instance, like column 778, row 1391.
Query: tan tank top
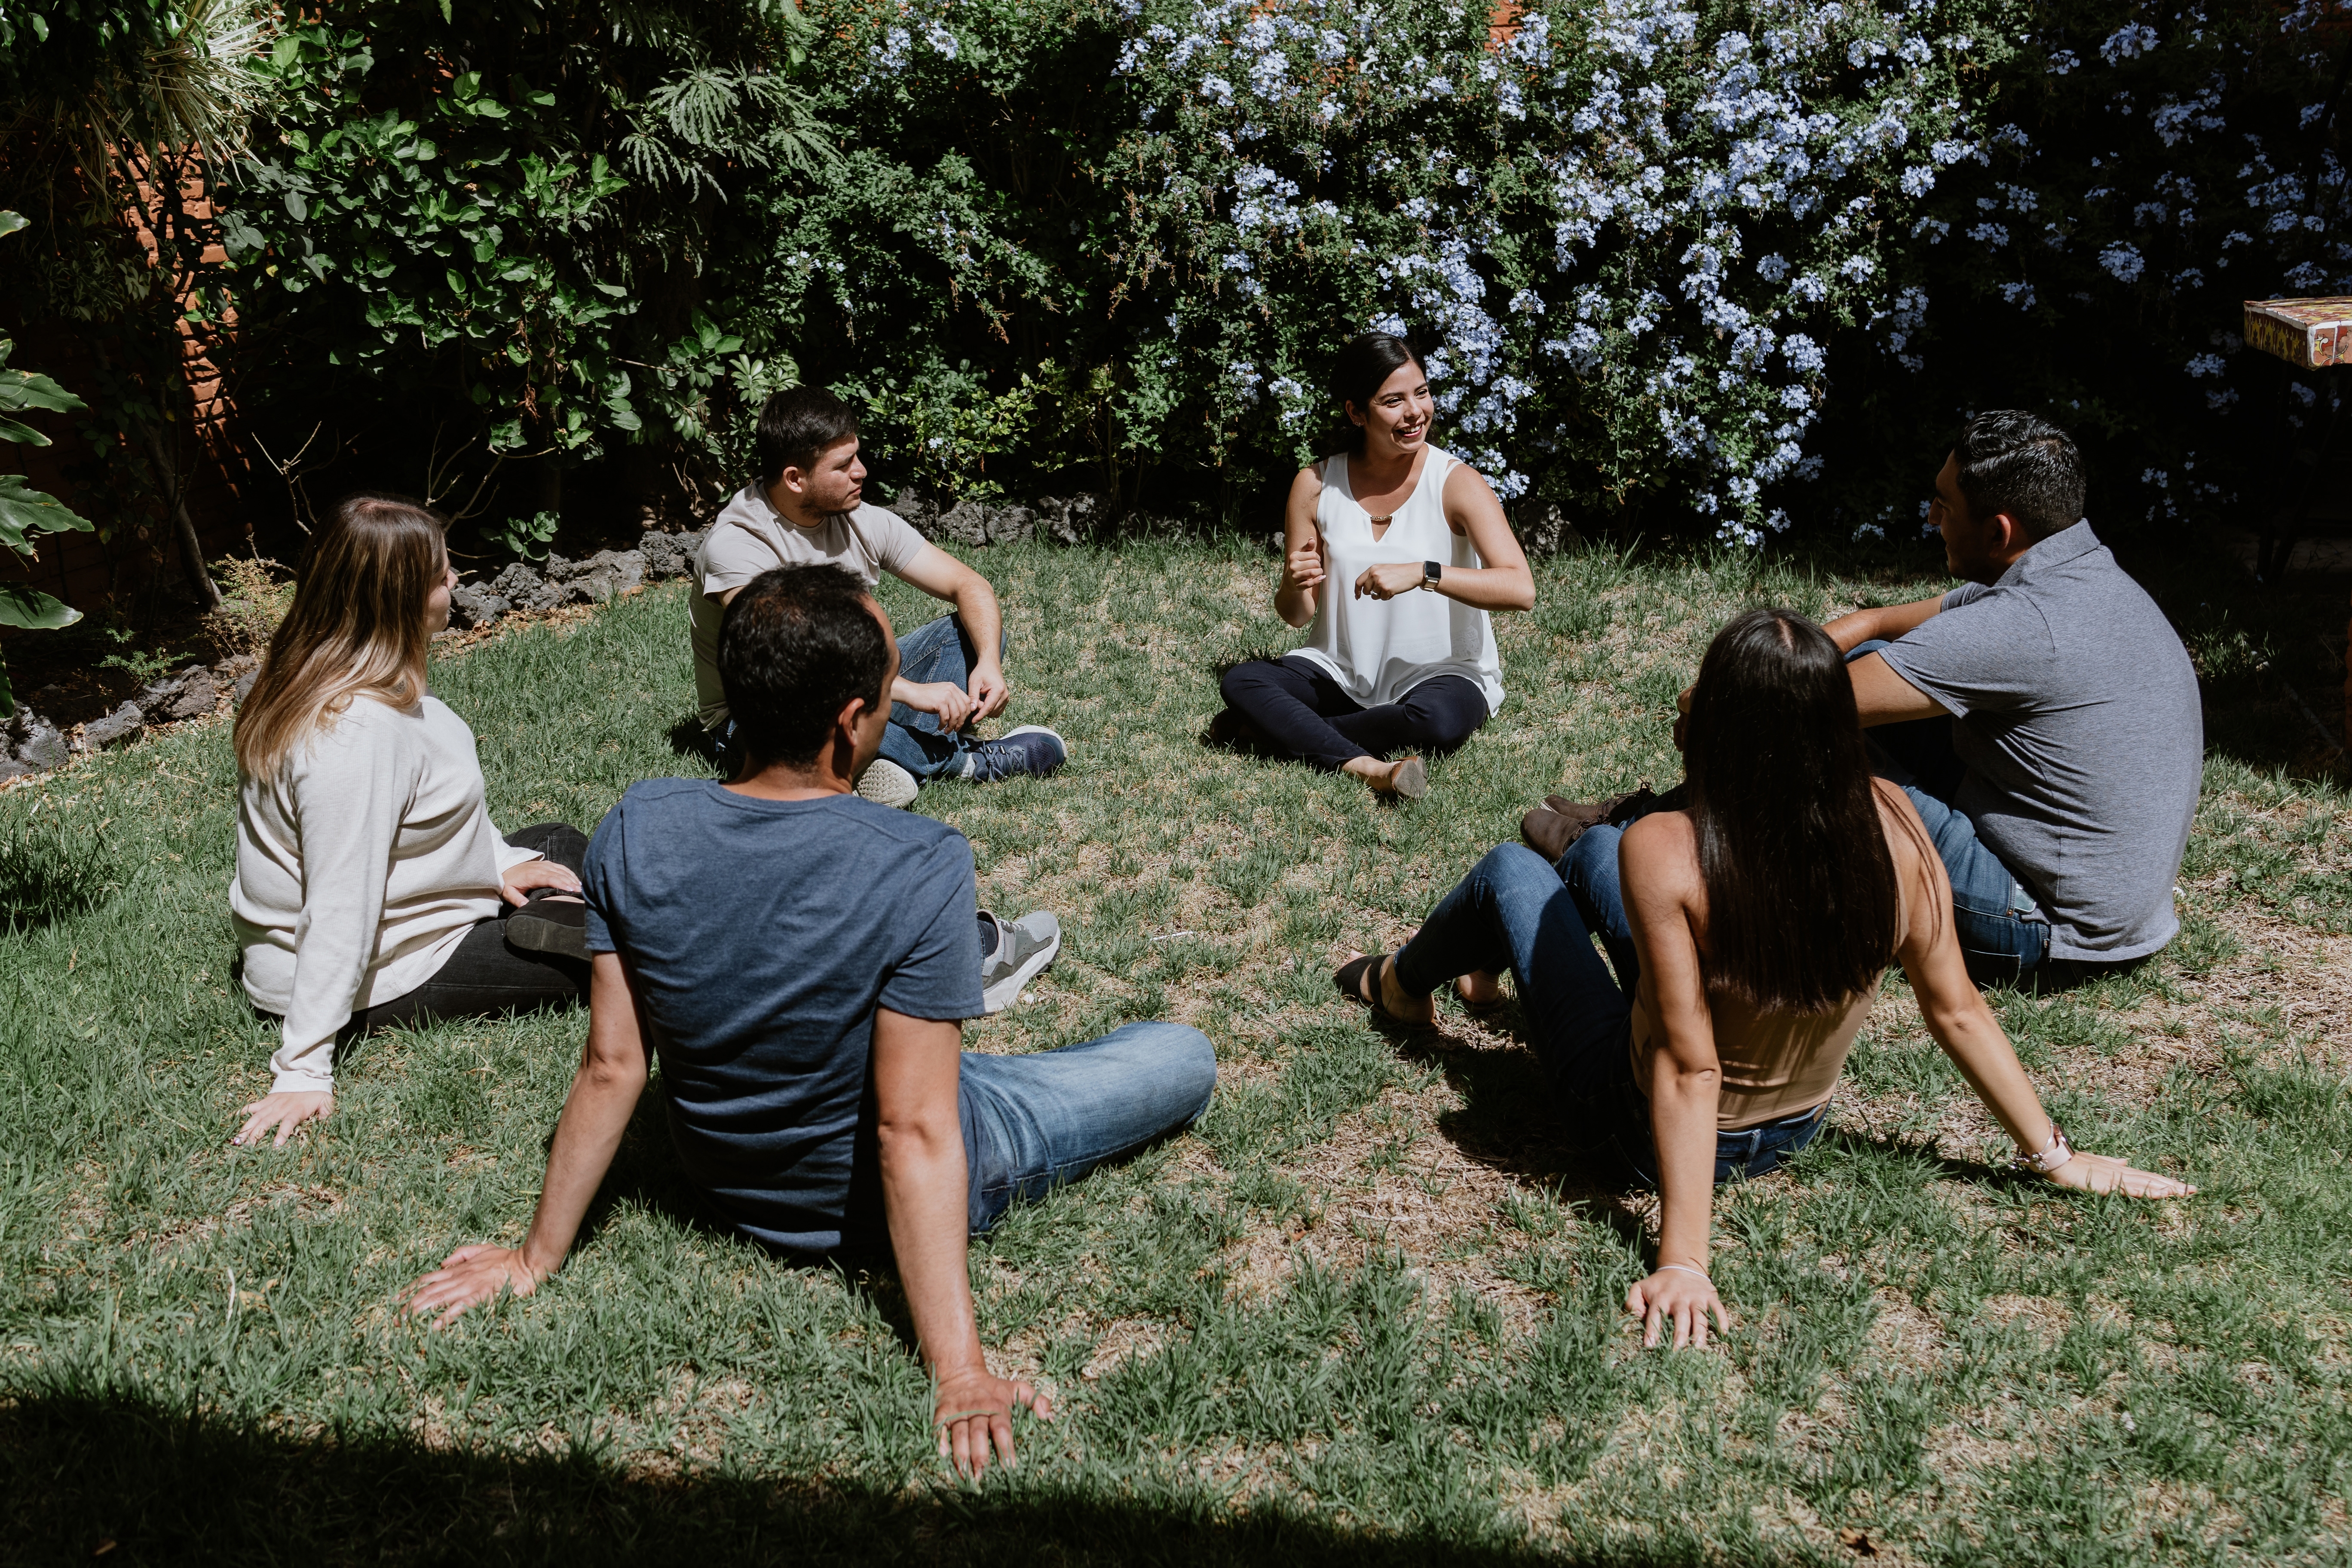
column 1774, row 1065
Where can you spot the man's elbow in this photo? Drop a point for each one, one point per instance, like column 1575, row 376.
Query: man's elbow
column 915, row 1140
column 614, row 1072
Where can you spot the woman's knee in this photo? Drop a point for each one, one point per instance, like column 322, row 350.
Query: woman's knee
column 1243, row 681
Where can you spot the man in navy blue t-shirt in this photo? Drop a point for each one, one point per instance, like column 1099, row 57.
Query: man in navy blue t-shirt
column 802, row 959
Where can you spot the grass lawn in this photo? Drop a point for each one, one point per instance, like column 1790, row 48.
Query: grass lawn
column 1369, row 1310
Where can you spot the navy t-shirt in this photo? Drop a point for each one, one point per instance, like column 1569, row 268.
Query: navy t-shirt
column 764, row 934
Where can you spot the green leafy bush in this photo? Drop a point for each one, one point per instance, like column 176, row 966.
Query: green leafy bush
column 1669, row 256
column 479, row 236
column 27, row 514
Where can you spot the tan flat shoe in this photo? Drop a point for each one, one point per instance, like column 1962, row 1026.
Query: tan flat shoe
column 1407, row 779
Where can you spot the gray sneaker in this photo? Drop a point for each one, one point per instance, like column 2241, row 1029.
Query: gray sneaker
column 1022, row 952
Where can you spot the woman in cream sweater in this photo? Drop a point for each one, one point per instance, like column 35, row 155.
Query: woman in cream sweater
column 371, row 888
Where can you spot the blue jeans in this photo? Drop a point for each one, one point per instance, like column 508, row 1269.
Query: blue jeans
column 1032, row 1123
column 1514, row 912
column 938, row 650
column 2003, row 935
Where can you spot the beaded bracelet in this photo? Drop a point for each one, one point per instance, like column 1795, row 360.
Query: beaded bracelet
column 2055, row 1153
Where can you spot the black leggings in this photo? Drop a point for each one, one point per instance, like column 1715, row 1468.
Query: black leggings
column 483, row 977
column 1305, row 715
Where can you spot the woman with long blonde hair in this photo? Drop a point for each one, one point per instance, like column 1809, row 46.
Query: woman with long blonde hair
column 371, row 888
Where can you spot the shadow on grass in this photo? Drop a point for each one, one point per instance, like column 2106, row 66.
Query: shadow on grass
column 119, row 1474
column 47, row 874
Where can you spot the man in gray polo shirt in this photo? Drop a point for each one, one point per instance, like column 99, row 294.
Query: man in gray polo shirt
column 2044, row 718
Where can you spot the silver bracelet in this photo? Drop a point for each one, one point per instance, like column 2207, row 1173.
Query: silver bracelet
column 1684, row 1268
column 2054, row 1154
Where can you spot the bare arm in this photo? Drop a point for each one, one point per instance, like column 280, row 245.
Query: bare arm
column 595, row 1114
column 1882, row 697
column 1503, row 584
column 1659, row 861
column 1302, row 551
column 942, row 577
column 1956, row 1013
column 1883, row 622
column 926, row 1188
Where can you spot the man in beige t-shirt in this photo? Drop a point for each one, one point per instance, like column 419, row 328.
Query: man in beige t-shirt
column 807, row 508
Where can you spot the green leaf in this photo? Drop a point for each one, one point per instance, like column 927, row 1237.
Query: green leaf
column 33, row 610
column 12, row 431
column 25, row 512
column 22, row 389
column 11, row 222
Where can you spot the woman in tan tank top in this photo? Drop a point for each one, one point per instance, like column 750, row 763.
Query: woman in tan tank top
column 1759, row 921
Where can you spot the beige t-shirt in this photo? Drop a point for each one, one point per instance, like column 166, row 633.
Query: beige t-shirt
column 750, row 538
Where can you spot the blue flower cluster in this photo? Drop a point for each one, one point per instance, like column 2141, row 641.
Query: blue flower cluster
column 1321, row 153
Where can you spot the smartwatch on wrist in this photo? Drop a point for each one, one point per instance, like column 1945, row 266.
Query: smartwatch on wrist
column 1430, row 571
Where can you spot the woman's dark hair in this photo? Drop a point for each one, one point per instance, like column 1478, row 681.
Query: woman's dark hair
column 796, row 426
column 1358, row 374
column 796, row 645
column 1803, row 908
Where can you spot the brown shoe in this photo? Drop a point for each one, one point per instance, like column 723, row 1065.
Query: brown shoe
column 1559, row 822
column 1407, row 778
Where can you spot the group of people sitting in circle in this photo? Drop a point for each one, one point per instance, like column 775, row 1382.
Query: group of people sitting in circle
column 1990, row 786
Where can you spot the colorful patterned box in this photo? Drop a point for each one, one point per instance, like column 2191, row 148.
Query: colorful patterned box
column 2308, row 332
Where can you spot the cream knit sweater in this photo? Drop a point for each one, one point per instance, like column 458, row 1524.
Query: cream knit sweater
column 359, row 870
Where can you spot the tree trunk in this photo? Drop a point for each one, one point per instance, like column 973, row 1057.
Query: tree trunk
column 183, row 527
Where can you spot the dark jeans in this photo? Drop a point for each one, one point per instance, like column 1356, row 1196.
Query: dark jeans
column 1305, row 714
column 1514, row 911
column 483, row 977
column 936, row 650
column 1049, row 1117
column 2003, row 936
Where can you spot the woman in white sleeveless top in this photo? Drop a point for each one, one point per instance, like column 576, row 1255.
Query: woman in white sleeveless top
column 1397, row 551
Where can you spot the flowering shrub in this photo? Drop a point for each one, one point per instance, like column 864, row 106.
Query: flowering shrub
column 2138, row 175
column 1662, row 253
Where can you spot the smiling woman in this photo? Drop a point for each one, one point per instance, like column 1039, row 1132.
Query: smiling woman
column 1388, row 514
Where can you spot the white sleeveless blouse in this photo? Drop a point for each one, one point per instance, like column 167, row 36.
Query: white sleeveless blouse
column 1380, row 649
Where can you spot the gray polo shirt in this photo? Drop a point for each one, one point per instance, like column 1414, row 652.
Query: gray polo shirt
column 2076, row 711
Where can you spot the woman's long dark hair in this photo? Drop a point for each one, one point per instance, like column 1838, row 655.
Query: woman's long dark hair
column 1803, row 908
column 1357, row 376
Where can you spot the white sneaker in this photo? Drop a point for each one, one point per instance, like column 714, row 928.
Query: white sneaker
column 884, row 782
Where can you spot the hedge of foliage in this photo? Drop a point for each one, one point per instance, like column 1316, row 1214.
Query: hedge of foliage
column 1706, row 267
column 1656, row 246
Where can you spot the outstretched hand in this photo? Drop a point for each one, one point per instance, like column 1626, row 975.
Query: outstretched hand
column 974, row 1409
column 468, row 1277
column 2099, row 1174
column 286, row 1112
column 1681, row 1298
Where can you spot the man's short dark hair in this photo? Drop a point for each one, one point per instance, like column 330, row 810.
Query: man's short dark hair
column 796, row 645
column 2011, row 462
column 796, row 426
